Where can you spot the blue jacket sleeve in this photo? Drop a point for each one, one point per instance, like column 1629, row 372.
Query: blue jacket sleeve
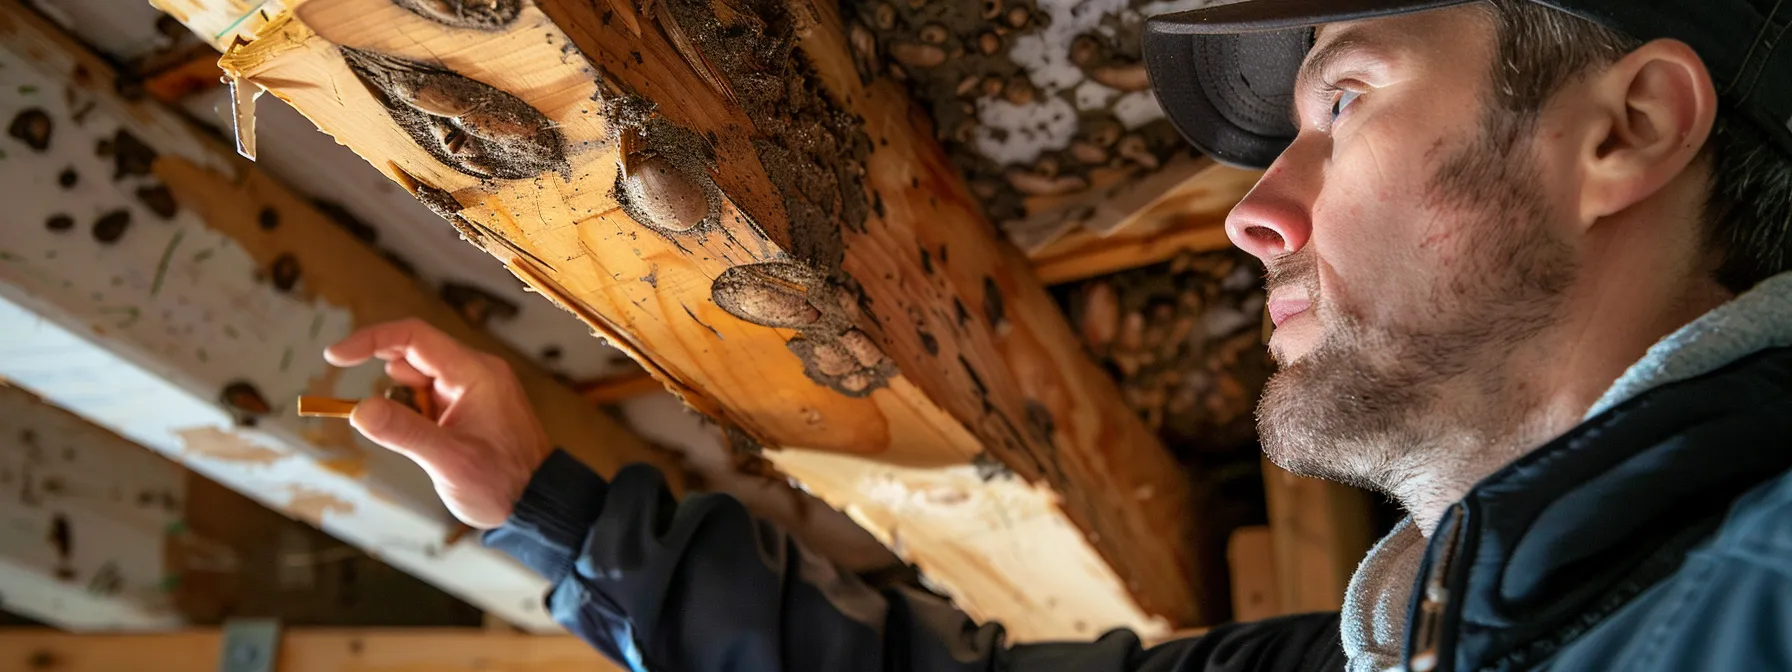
column 701, row 586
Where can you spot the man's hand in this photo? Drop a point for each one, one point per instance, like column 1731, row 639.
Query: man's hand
column 486, row 442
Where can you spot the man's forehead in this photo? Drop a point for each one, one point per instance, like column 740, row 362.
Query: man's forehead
column 1451, row 23
column 1354, row 31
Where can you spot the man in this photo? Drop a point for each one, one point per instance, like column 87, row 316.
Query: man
column 1527, row 265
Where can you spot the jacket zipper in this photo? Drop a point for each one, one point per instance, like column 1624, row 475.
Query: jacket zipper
column 1428, row 632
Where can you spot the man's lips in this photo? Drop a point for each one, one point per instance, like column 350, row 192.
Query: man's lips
column 1282, row 309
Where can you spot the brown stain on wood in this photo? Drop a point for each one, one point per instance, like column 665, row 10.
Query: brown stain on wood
column 216, row 444
column 312, row 505
column 353, row 468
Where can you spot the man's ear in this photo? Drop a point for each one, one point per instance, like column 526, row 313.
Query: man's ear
column 1656, row 106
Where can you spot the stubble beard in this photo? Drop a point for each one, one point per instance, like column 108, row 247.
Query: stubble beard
column 1400, row 405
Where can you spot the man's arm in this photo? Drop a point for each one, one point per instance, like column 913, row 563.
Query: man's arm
column 701, row 586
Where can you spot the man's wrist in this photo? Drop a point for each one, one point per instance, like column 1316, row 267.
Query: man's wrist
column 548, row 524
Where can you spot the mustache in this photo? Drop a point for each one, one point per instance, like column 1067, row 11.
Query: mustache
column 1299, row 268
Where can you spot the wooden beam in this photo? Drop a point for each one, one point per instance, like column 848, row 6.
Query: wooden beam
column 1188, row 217
column 104, row 535
column 1320, row 531
column 304, row 650
column 786, row 248
column 85, row 518
column 192, row 75
column 1252, row 557
column 179, row 297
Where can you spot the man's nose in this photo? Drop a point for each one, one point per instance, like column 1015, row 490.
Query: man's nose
column 1276, row 217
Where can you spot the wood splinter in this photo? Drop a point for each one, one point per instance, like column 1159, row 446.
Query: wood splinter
column 326, row 407
column 416, row 399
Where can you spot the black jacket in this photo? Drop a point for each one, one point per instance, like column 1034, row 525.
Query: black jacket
column 1670, row 508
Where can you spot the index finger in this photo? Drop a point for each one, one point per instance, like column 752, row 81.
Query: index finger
column 426, row 348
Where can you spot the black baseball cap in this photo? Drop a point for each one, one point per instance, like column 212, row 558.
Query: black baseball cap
column 1225, row 74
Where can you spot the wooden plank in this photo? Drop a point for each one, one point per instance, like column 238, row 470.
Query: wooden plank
column 1321, row 530
column 304, row 650
column 192, row 75
column 180, row 298
column 915, row 337
column 1190, row 217
column 85, row 518
column 1251, row 555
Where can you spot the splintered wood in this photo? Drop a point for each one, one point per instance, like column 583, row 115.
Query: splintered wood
column 325, row 407
column 714, row 188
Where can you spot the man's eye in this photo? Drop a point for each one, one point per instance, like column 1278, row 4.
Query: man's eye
column 1344, row 99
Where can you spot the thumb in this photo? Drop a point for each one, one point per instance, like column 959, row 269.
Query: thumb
column 399, row 429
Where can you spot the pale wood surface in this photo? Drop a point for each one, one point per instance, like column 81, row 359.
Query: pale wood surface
column 1251, row 555
column 185, row 303
column 1320, row 532
column 985, row 358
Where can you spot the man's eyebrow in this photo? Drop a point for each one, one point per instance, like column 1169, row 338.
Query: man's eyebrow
column 1319, row 61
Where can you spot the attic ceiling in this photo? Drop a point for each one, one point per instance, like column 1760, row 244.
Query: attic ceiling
column 144, row 41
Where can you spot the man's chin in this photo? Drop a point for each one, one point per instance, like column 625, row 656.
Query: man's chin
column 1323, row 412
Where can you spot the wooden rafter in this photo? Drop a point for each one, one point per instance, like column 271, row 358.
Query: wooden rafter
column 179, row 297
column 787, row 250
column 1319, row 531
column 1146, row 222
column 85, row 516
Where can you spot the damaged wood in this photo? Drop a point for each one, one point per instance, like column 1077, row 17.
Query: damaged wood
column 1130, row 224
column 222, row 310
column 473, row 127
column 798, row 309
column 471, row 14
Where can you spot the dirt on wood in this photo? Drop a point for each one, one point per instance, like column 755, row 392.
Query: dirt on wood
column 813, row 150
column 467, row 125
column 32, row 127
column 789, row 295
column 665, row 181
column 486, row 15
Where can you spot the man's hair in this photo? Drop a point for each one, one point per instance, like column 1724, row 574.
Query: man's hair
column 1748, row 213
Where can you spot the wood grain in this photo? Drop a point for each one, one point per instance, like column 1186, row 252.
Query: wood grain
column 1187, row 217
column 1320, row 531
column 984, row 360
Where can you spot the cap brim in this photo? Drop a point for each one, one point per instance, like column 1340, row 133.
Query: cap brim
column 1225, row 75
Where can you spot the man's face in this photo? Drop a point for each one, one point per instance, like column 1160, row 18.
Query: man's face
column 1412, row 251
